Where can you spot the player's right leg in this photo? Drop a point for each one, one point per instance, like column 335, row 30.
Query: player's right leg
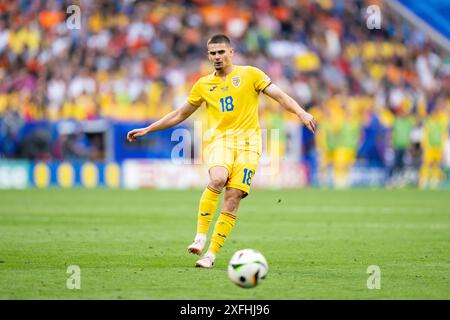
column 237, row 188
column 218, row 176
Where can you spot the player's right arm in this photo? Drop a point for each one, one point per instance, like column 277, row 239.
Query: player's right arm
column 171, row 119
column 194, row 100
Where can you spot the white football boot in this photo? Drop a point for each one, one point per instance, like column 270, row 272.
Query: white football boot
column 197, row 246
column 207, row 261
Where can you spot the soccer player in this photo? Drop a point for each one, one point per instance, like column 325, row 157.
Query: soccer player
column 326, row 145
column 346, row 147
column 230, row 94
column 402, row 127
column 434, row 138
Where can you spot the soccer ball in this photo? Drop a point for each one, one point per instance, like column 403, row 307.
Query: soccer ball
column 247, row 268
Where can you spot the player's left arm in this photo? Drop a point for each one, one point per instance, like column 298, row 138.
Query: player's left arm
column 290, row 105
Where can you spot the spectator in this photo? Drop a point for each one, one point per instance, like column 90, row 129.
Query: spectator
column 134, row 60
column 401, row 143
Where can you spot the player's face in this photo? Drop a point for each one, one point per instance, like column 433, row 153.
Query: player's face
column 220, row 55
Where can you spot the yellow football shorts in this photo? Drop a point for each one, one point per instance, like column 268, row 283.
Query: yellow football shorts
column 344, row 157
column 326, row 158
column 241, row 165
column 432, row 155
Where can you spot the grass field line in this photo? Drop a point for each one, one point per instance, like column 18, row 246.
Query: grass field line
column 372, row 225
column 359, row 209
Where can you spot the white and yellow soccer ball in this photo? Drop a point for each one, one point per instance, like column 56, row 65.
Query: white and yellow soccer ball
column 247, row 268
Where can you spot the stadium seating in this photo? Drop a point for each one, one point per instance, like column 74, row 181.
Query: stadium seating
column 133, row 63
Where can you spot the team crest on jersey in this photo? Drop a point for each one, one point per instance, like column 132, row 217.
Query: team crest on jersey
column 236, row 81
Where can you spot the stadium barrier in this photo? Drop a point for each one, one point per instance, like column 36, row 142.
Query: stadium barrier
column 133, row 174
column 166, row 174
column 18, row 174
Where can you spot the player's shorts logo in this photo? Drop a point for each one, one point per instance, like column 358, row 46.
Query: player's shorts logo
column 236, row 81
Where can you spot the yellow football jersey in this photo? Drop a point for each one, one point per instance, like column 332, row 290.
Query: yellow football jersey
column 232, row 106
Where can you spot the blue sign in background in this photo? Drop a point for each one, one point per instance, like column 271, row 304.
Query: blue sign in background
column 157, row 145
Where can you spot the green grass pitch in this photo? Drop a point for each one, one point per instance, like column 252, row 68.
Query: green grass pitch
column 132, row 244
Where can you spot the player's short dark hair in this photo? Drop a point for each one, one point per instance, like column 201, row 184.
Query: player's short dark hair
column 219, row 38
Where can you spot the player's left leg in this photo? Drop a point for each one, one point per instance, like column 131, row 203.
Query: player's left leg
column 436, row 174
column 425, row 170
column 340, row 168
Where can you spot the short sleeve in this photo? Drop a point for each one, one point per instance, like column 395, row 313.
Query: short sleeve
column 260, row 79
column 195, row 97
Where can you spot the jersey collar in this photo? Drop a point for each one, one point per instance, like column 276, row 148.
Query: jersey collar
column 214, row 76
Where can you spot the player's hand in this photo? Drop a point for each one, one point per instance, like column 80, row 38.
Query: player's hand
column 309, row 121
column 133, row 134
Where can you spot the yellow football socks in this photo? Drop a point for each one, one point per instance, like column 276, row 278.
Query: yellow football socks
column 222, row 229
column 436, row 176
column 207, row 208
column 424, row 176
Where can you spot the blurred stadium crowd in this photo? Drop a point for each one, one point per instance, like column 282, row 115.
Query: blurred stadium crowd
column 381, row 97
